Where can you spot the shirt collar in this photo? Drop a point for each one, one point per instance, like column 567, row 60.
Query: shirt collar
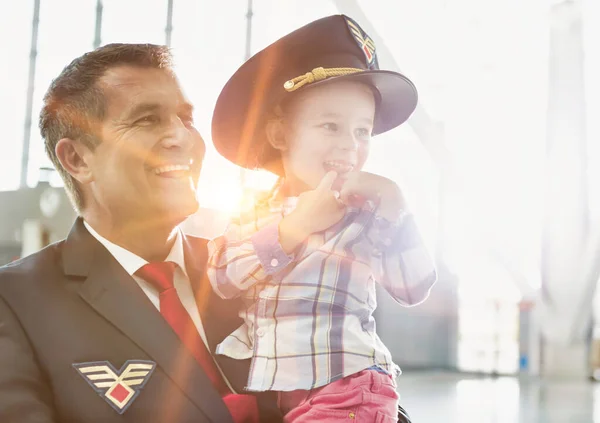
column 131, row 262
column 277, row 202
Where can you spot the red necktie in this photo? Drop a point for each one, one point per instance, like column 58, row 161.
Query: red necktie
column 243, row 408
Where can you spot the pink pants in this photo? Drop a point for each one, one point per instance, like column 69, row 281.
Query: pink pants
column 367, row 396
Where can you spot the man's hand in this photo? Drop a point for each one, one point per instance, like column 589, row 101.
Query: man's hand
column 316, row 211
column 362, row 186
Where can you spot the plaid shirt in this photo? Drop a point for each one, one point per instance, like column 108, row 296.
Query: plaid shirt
column 309, row 316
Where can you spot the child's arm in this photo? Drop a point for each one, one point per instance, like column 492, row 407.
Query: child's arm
column 240, row 258
column 400, row 261
column 244, row 256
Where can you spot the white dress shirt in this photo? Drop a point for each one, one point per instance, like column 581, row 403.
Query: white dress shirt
column 132, row 263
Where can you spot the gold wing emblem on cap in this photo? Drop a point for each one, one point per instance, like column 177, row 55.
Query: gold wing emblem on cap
column 366, row 44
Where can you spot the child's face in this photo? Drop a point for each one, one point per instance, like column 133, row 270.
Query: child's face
column 327, row 128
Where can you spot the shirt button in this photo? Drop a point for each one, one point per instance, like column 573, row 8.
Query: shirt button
column 387, row 242
column 376, row 252
column 274, row 262
column 260, row 332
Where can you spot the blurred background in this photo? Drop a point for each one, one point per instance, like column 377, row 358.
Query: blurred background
column 501, row 163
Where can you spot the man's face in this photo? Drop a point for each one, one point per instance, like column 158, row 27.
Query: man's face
column 328, row 128
column 147, row 164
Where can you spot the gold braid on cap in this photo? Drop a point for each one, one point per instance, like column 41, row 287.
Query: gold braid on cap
column 317, row 74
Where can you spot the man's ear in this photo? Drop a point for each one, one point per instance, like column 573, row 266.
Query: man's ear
column 75, row 157
column 276, row 134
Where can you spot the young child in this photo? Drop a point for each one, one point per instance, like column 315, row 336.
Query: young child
column 306, row 259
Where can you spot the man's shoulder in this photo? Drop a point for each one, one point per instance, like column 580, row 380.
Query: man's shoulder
column 195, row 245
column 31, row 269
column 195, row 241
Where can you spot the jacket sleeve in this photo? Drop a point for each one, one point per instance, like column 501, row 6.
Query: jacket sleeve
column 24, row 395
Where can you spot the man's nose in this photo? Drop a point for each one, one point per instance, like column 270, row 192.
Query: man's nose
column 179, row 136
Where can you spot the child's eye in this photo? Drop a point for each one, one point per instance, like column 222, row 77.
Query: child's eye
column 363, row 133
column 330, row 126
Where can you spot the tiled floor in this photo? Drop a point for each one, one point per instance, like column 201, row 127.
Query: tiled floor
column 451, row 398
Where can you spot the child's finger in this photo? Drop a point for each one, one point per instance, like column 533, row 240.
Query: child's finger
column 327, row 182
column 348, row 191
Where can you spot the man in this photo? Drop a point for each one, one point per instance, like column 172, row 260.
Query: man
column 115, row 323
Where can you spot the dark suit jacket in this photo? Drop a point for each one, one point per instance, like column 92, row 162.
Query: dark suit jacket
column 73, row 303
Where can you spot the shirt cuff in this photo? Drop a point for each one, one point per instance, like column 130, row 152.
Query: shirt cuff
column 397, row 236
column 269, row 250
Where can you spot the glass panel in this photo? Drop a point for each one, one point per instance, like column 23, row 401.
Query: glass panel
column 134, row 21
column 208, row 44
column 16, row 27
column 58, row 44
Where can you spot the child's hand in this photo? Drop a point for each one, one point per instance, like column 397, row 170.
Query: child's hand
column 316, row 211
column 362, row 186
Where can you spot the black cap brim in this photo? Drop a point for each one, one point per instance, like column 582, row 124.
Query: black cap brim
column 396, row 100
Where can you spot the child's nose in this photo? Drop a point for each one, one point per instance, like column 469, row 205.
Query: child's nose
column 348, row 142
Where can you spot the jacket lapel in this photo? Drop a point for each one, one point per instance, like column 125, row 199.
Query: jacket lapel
column 114, row 295
column 219, row 317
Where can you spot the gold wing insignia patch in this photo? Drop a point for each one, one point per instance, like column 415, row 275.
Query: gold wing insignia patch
column 366, row 43
column 118, row 388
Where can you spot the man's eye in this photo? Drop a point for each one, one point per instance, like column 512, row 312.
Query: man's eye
column 150, row 119
column 187, row 120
